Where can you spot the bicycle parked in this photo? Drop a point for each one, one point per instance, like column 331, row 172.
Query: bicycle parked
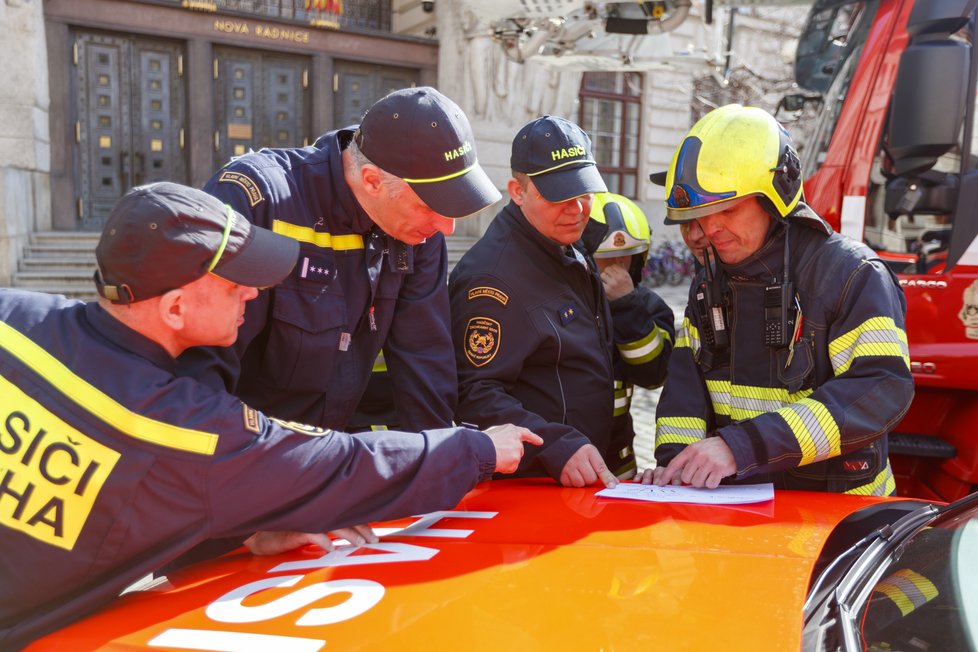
column 670, row 263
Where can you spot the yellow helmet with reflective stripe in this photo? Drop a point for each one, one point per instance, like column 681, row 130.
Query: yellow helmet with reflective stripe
column 731, row 153
column 628, row 228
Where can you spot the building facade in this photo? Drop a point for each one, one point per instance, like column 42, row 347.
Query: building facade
column 101, row 95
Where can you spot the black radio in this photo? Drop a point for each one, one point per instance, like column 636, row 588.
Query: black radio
column 779, row 314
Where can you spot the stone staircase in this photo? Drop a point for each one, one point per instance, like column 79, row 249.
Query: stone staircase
column 62, row 262
column 59, row 262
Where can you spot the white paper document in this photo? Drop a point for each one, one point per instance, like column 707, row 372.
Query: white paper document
column 722, row 495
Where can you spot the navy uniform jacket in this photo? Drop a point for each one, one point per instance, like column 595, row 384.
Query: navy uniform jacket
column 812, row 416
column 533, row 341
column 110, row 465
column 308, row 345
column 644, row 329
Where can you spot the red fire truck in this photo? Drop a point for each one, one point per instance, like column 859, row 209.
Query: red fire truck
column 891, row 160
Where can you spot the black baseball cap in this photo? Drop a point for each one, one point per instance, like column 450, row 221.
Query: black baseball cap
column 556, row 154
column 162, row 236
column 424, row 138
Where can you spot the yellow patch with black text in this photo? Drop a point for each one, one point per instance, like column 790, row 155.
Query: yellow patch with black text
column 244, row 182
column 50, row 473
column 302, row 428
column 251, row 419
column 492, row 293
column 482, row 340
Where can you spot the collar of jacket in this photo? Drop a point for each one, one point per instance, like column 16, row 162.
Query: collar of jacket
column 589, row 241
column 336, row 194
column 121, row 336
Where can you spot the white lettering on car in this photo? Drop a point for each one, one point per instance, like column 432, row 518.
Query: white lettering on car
column 230, row 608
column 363, row 594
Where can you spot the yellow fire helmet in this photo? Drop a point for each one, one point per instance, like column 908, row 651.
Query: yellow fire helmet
column 731, row 153
column 628, row 228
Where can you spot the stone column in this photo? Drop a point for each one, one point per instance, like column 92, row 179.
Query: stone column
column 25, row 150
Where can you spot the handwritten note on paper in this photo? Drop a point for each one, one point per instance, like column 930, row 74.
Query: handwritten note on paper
column 722, row 495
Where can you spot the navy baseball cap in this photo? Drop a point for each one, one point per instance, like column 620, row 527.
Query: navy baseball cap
column 424, row 138
column 556, row 154
column 162, row 236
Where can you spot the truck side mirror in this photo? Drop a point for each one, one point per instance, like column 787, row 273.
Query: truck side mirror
column 921, row 130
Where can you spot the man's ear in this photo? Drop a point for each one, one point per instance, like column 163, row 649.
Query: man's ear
column 515, row 191
column 173, row 309
column 371, row 178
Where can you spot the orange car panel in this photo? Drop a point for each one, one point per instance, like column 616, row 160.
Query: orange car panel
column 520, row 564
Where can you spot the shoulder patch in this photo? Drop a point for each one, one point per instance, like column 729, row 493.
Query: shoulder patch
column 251, row 419
column 482, row 340
column 301, row 428
column 492, row 293
column 244, row 182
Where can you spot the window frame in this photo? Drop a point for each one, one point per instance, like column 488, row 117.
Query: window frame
column 616, row 175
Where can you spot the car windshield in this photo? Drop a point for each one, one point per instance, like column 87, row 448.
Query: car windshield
column 926, row 597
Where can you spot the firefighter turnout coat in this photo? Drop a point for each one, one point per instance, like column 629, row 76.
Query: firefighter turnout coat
column 811, row 415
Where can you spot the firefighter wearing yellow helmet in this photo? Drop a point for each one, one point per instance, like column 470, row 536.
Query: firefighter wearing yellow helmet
column 644, row 325
column 791, row 364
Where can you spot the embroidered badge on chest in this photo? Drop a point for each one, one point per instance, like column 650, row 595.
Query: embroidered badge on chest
column 482, row 339
column 568, row 313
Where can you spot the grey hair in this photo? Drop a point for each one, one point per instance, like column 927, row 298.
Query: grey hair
column 358, row 159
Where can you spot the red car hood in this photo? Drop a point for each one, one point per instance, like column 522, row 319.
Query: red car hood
column 519, row 564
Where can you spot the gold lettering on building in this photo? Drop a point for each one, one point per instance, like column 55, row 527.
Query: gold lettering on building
column 231, row 26
column 270, row 32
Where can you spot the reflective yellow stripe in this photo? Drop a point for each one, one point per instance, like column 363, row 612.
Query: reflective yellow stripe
column 380, row 364
column 94, row 401
column 719, row 395
column 814, row 429
column 623, row 397
column 749, row 401
column 878, row 336
column 646, row 349
column 883, row 484
column 679, row 430
column 561, row 165
column 444, row 178
column 318, row 238
column 908, row 590
column 688, row 336
column 746, row 401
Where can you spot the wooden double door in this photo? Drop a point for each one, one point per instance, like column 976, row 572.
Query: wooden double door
column 129, row 97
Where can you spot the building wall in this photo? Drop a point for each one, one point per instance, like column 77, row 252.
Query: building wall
column 500, row 95
column 25, row 153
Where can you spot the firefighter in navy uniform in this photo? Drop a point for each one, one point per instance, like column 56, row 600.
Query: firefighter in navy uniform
column 370, row 208
column 530, row 320
column 644, row 325
column 792, row 362
column 110, row 465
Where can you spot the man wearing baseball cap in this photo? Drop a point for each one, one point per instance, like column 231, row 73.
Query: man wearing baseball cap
column 530, row 320
column 370, row 206
column 111, row 466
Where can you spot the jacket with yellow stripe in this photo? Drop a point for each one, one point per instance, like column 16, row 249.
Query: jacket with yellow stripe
column 814, row 419
column 111, row 466
column 644, row 329
column 307, row 347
